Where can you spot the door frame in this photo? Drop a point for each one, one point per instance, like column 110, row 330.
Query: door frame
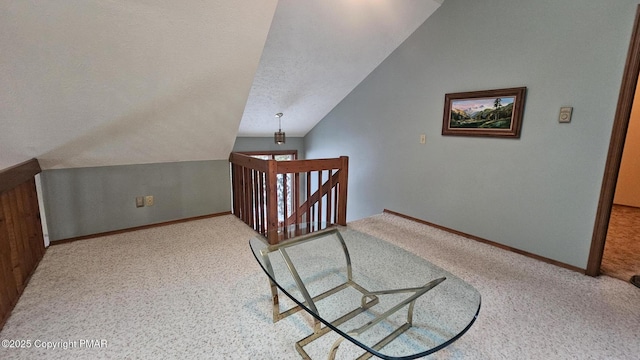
column 616, row 147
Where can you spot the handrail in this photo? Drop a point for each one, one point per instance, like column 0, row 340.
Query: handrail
column 298, row 166
column 263, row 187
column 249, row 161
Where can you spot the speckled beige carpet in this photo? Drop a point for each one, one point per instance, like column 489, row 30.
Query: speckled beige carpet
column 194, row 291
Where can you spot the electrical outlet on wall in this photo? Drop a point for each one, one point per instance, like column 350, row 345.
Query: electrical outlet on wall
column 148, row 200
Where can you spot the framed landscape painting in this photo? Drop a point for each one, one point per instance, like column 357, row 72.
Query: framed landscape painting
column 496, row 113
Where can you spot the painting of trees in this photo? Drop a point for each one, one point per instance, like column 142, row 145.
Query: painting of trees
column 484, row 113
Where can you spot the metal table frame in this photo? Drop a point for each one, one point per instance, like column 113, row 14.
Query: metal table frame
column 368, row 299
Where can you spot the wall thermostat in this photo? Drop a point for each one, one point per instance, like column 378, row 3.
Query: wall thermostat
column 565, row 114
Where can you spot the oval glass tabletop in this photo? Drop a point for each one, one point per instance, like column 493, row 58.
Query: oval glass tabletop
column 386, row 300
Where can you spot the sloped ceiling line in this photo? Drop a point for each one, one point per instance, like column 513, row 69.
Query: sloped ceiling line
column 317, row 52
column 106, row 82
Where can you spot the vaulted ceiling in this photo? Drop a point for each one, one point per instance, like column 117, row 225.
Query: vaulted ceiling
column 111, row 82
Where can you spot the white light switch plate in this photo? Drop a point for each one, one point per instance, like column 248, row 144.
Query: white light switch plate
column 565, row 114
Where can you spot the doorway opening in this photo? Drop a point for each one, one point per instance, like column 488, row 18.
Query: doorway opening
column 621, row 257
column 616, row 148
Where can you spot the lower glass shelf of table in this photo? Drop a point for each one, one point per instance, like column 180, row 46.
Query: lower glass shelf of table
column 391, row 303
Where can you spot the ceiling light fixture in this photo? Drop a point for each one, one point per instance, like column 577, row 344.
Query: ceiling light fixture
column 278, row 137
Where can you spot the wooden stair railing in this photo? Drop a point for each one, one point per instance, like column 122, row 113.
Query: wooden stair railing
column 261, row 187
column 313, row 201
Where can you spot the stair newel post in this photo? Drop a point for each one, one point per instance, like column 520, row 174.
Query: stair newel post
column 272, row 201
column 343, row 178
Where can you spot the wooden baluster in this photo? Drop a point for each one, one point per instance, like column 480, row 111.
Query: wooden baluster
column 258, row 201
column 245, row 198
column 254, row 200
column 263, row 227
column 308, row 209
column 330, row 181
column 250, row 199
column 334, row 191
column 236, row 191
column 234, row 204
column 239, row 187
column 319, row 199
column 296, row 201
column 241, row 194
column 285, row 196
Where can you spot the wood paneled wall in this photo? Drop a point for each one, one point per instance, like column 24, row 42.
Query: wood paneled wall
column 21, row 238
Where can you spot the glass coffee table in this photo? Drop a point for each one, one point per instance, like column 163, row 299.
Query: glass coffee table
column 391, row 303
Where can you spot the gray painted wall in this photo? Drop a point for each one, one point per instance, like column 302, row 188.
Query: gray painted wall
column 538, row 193
column 267, row 144
column 83, row 201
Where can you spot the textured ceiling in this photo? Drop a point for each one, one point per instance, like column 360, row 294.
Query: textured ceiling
column 98, row 82
column 317, row 52
column 111, row 82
